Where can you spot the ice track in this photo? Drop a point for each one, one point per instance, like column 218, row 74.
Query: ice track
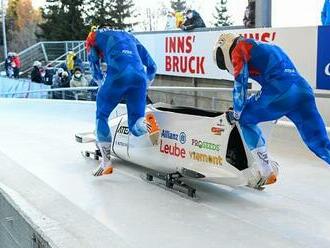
column 40, row 162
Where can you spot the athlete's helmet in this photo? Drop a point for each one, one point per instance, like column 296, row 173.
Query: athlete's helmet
column 222, row 51
column 94, row 28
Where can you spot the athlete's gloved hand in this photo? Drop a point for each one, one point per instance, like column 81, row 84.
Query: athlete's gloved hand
column 232, row 117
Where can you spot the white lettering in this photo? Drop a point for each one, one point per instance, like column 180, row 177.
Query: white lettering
column 327, row 70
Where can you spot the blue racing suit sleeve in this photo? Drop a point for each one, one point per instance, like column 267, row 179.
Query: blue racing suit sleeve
column 240, row 56
column 95, row 66
column 240, row 90
column 146, row 60
column 324, row 13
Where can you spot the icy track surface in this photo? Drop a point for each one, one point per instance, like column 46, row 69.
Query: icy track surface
column 39, row 137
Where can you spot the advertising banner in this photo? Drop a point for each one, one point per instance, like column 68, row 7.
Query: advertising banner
column 323, row 58
column 8, row 85
column 189, row 54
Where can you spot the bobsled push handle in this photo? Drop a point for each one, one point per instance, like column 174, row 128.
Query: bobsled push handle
column 230, row 116
column 148, row 100
column 87, row 137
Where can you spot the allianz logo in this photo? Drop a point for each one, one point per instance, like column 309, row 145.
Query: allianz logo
column 327, row 70
column 181, row 137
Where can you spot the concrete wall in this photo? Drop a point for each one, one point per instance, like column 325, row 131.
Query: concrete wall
column 15, row 231
column 206, row 100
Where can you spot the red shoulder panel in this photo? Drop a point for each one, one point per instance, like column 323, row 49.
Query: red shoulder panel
column 90, row 41
column 240, row 55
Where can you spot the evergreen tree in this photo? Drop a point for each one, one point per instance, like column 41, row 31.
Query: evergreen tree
column 117, row 14
column 178, row 5
column 63, row 20
column 122, row 14
column 221, row 16
column 100, row 12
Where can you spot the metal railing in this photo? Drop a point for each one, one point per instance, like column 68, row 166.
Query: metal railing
column 48, row 52
column 80, row 48
column 317, row 93
column 25, row 94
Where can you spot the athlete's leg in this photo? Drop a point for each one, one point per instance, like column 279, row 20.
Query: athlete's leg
column 107, row 99
column 261, row 108
column 138, row 123
column 311, row 127
column 136, row 105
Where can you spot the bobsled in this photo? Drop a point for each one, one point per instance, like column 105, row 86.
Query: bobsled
column 197, row 144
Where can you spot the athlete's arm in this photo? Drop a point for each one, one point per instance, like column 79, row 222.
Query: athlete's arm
column 95, row 65
column 146, row 60
column 324, row 13
column 241, row 74
column 93, row 57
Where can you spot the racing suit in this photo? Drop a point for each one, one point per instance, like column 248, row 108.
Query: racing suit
column 126, row 78
column 283, row 93
column 325, row 14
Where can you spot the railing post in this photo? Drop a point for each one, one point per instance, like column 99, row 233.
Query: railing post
column 44, row 51
column 66, row 47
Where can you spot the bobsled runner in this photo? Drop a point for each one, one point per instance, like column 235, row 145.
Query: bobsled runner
column 192, row 143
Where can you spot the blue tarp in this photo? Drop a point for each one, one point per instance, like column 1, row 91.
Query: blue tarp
column 9, row 85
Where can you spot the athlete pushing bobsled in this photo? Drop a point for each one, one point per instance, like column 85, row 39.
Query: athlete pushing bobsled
column 284, row 92
column 126, row 78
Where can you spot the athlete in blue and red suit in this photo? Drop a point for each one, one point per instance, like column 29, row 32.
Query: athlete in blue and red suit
column 284, row 92
column 126, row 78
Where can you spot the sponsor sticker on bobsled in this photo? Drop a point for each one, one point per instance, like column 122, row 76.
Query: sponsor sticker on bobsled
column 172, row 150
column 205, row 145
column 181, row 137
column 206, row 158
column 217, row 130
column 123, row 130
column 119, row 143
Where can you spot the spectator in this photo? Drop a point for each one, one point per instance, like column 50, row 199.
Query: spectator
column 325, row 14
column 193, row 20
column 249, row 19
column 8, row 65
column 78, row 79
column 36, row 74
column 61, row 79
column 69, row 61
column 78, row 63
column 170, row 21
column 63, row 66
column 16, row 63
column 49, row 75
column 179, row 19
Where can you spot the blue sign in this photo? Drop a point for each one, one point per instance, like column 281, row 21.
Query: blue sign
column 323, row 58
